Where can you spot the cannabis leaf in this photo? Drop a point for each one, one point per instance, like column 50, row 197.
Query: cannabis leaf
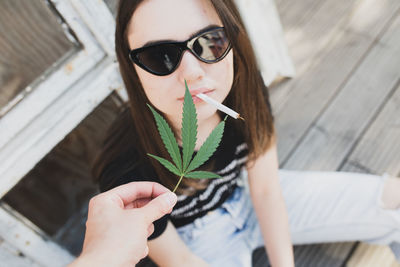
column 189, row 128
column 168, row 139
column 201, row 175
column 208, row 148
column 184, row 166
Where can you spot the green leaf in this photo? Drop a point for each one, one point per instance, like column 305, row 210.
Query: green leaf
column 208, row 148
column 189, row 128
column 171, row 167
column 202, row 175
column 184, row 166
column 168, row 139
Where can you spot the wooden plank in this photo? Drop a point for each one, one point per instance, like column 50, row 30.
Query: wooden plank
column 310, row 27
column 355, row 167
column 368, row 255
column 30, row 241
column 345, row 48
column 349, row 114
column 313, row 91
column 294, row 14
column 378, row 151
column 113, row 6
column 333, row 160
column 321, row 255
column 318, row 255
column 259, row 258
column 10, row 256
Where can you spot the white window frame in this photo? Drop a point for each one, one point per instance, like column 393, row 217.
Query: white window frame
column 50, row 111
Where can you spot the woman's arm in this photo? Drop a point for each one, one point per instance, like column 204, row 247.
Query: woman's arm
column 270, row 208
column 169, row 250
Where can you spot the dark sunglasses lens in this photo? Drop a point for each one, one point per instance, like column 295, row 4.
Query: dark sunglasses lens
column 161, row 58
column 211, row 46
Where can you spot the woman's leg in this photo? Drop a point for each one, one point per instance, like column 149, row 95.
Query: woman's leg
column 340, row 206
column 221, row 237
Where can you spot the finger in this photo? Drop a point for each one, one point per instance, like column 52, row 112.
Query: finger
column 145, row 252
column 138, row 203
column 142, row 202
column 136, row 190
column 159, row 206
column 150, row 230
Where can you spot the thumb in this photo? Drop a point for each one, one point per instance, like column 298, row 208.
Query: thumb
column 159, row 206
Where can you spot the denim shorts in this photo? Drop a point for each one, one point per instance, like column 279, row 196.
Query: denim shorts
column 223, row 236
column 322, row 207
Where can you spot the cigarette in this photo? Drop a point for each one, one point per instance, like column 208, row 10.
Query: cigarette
column 219, row 106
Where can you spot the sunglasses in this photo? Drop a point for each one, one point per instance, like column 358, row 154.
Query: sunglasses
column 163, row 58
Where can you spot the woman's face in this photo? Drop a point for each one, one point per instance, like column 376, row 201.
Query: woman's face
column 156, row 20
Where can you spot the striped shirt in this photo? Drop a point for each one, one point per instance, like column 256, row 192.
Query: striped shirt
column 188, row 208
column 228, row 160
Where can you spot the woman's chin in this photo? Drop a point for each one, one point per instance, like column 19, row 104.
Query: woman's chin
column 205, row 112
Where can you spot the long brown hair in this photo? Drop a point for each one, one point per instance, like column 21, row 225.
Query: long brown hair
column 135, row 127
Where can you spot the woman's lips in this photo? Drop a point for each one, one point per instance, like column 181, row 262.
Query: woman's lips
column 195, row 92
column 196, row 99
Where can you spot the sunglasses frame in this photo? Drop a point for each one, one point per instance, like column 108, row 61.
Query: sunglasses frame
column 182, row 46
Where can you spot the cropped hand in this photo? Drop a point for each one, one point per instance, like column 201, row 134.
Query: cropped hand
column 120, row 221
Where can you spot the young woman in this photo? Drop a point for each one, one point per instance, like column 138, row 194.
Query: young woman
column 159, row 45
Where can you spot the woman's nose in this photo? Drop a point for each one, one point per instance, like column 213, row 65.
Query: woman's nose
column 190, row 68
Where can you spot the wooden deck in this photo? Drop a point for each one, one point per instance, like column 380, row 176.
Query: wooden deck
column 342, row 110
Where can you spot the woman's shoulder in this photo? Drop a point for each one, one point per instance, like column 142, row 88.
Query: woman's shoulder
column 119, row 160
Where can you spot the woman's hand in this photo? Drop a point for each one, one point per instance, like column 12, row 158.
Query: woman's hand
column 120, row 221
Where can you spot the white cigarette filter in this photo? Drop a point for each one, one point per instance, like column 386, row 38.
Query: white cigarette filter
column 219, row 106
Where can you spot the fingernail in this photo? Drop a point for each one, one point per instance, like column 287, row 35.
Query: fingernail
column 171, row 199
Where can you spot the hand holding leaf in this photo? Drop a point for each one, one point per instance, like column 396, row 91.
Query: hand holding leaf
column 184, row 166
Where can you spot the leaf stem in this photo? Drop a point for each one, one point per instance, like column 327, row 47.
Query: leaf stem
column 176, row 186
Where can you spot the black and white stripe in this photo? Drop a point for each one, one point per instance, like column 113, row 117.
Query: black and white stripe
column 188, row 208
